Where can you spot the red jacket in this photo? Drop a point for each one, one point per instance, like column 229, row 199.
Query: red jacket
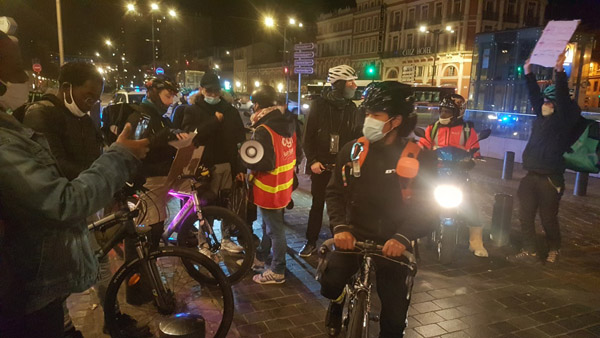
column 458, row 133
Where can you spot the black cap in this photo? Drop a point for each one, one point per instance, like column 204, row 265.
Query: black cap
column 210, row 81
column 265, row 96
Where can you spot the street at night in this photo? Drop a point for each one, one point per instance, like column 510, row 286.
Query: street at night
column 299, row 169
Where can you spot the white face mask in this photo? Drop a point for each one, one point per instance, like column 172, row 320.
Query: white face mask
column 373, row 129
column 16, row 95
column 72, row 107
column 547, row 110
column 445, row 121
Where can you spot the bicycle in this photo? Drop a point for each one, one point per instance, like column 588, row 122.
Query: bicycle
column 358, row 290
column 147, row 287
column 202, row 226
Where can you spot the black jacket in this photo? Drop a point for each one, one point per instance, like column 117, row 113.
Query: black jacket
column 551, row 136
column 220, row 139
column 329, row 117
column 284, row 125
column 160, row 157
column 74, row 141
column 372, row 206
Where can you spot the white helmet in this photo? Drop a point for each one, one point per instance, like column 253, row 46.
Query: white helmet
column 341, row 72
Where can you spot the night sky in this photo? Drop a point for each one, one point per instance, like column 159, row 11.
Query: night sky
column 88, row 22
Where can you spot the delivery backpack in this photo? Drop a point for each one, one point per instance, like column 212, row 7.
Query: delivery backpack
column 584, row 155
column 114, row 117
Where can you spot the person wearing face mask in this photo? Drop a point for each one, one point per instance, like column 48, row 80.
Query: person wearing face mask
column 220, row 129
column 45, row 254
column 541, row 189
column 370, row 198
column 333, row 121
column 451, row 130
column 64, row 120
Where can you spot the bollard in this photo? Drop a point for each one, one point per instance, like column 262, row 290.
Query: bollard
column 501, row 219
column 581, row 182
column 509, row 163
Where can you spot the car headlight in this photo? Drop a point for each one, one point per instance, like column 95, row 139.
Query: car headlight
column 305, row 106
column 448, row 196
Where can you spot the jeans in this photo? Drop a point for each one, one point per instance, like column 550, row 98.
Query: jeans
column 315, row 217
column 273, row 219
column 391, row 288
column 44, row 323
column 543, row 193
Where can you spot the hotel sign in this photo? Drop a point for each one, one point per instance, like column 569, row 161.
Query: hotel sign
column 415, row 51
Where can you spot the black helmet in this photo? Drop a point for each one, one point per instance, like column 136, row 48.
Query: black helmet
column 391, row 97
column 265, row 96
column 162, row 82
column 449, row 103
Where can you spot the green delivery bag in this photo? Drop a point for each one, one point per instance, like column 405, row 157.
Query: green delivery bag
column 585, row 152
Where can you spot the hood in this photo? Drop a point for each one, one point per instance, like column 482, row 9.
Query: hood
column 283, row 124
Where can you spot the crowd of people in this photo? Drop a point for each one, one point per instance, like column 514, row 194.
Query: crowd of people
column 56, row 171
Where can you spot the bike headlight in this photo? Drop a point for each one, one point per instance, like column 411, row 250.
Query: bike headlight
column 448, row 196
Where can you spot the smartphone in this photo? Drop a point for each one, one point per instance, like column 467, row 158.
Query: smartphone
column 142, row 126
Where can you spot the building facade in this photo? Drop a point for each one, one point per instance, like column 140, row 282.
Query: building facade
column 592, row 99
column 403, row 39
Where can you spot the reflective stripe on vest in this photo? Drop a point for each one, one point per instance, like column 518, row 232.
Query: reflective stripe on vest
column 464, row 136
column 273, row 189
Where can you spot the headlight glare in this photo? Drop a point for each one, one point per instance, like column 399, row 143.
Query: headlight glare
column 448, row 196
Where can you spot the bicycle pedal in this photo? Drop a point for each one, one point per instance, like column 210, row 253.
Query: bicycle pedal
column 374, row 318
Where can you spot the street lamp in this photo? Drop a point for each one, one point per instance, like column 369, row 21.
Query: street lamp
column 172, row 13
column 270, row 23
column 436, row 39
column 154, row 6
column 131, row 7
column 108, row 42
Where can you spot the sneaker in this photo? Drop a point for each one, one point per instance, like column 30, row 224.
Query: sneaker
column 257, row 265
column 524, row 256
column 308, row 249
column 333, row 320
column 205, row 251
column 269, row 277
column 128, row 327
column 230, row 246
column 552, row 256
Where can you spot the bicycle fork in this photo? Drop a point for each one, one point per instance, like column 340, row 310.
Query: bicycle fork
column 204, row 228
column 164, row 300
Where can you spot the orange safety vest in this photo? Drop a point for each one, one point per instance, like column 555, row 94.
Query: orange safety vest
column 273, row 189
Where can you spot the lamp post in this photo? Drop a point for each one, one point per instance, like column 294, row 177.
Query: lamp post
column 436, row 40
column 270, row 23
column 153, row 8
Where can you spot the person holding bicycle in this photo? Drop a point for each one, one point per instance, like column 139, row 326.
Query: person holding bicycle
column 381, row 198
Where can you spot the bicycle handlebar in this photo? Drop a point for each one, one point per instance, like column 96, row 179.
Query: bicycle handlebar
column 328, row 244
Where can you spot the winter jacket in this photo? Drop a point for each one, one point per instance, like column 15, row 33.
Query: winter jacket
column 74, row 141
column 160, row 157
column 45, row 254
column 330, row 116
column 220, row 139
column 551, row 136
column 371, row 206
column 458, row 133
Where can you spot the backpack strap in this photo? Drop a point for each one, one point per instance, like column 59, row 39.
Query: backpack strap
column 358, row 154
column 434, row 132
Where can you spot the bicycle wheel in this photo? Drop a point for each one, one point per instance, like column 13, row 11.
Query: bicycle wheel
column 129, row 293
column 358, row 316
column 220, row 220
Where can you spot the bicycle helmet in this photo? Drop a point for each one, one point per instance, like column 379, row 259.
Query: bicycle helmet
column 341, row 72
column 391, row 97
column 550, row 93
column 162, row 82
column 449, row 103
column 265, row 96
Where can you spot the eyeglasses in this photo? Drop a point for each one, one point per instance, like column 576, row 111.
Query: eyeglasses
column 91, row 101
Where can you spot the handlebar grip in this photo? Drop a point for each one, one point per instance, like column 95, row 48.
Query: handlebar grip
column 185, row 177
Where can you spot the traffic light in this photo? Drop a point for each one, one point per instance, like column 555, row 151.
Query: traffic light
column 286, row 70
column 371, row 70
column 519, row 70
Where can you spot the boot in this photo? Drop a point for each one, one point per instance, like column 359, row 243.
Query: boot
column 476, row 242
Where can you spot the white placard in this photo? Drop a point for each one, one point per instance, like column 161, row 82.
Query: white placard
column 552, row 43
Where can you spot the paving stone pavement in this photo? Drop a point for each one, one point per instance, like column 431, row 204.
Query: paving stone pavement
column 472, row 297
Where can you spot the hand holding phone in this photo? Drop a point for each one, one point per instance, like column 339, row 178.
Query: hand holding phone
column 142, row 127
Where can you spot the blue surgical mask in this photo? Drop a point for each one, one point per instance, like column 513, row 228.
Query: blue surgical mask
column 373, row 129
column 212, row 100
